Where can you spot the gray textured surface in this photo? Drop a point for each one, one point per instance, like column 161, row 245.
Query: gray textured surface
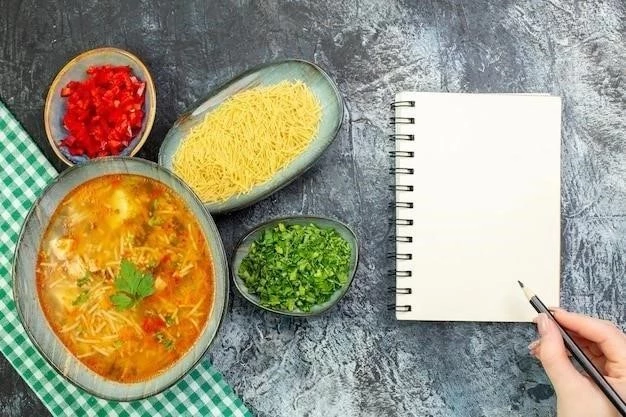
column 357, row 360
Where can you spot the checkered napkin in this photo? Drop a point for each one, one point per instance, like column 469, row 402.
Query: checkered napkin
column 24, row 172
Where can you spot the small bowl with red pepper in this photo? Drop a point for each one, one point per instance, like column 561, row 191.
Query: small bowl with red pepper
column 101, row 103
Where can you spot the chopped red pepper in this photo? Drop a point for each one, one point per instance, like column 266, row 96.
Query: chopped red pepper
column 152, row 324
column 104, row 112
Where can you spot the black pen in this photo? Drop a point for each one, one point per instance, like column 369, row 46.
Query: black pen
column 578, row 354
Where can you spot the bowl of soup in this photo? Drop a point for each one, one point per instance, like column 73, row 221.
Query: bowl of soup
column 120, row 277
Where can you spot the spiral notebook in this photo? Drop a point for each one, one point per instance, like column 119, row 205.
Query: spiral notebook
column 477, row 188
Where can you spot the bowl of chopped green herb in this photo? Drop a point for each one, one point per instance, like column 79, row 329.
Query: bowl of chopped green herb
column 297, row 266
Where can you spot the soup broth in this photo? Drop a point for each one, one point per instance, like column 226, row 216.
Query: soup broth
column 125, row 276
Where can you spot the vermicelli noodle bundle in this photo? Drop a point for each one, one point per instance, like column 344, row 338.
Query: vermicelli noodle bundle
column 247, row 139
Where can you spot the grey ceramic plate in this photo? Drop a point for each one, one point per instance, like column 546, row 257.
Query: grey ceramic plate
column 332, row 116
column 75, row 70
column 242, row 248
column 25, row 286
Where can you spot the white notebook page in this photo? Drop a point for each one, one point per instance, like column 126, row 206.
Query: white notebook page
column 486, row 205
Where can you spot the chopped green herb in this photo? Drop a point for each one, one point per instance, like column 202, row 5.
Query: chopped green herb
column 296, row 267
column 154, row 221
column 164, row 340
column 81, row 282
column 169, row 320
column 82, row 297
column 118, row 344
column 154, row 204
column 132, row 286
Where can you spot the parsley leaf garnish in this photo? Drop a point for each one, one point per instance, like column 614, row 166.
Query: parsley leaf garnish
column 132, row 286
column 122, row 300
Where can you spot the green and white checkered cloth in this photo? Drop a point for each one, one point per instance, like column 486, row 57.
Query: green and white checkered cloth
column 24, row 172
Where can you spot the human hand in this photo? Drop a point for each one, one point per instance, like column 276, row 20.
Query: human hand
column 603, row 343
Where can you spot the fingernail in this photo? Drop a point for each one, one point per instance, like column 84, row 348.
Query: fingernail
column 555, row 309
column 542, row 323
column 533, row 345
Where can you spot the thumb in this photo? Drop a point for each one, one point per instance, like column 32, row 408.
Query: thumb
column 553, row 356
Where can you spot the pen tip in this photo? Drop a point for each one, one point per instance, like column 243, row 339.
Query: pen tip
column 520, row 284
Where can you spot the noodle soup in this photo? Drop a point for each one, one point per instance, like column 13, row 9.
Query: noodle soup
column 125, row 277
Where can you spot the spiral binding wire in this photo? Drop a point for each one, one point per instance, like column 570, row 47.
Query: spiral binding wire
column 404, row 308
column 401, row 239
column 400, row 256
column 405, row 103
column 396, row 290
column 401, row 171
column 401, row 154
column 401, row 204
column 401, row 188
column 402, row 120
column 400, row 136
column 401, row 274
column 394, row 273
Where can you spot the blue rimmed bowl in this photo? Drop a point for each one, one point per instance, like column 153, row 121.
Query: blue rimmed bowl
column 268, row 74
column 26, row 295
column 76, row 70
column 243, row 247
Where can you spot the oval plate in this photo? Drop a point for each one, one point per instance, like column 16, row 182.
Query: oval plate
column 290, row 70
column 243, row 247
column 26, row 295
